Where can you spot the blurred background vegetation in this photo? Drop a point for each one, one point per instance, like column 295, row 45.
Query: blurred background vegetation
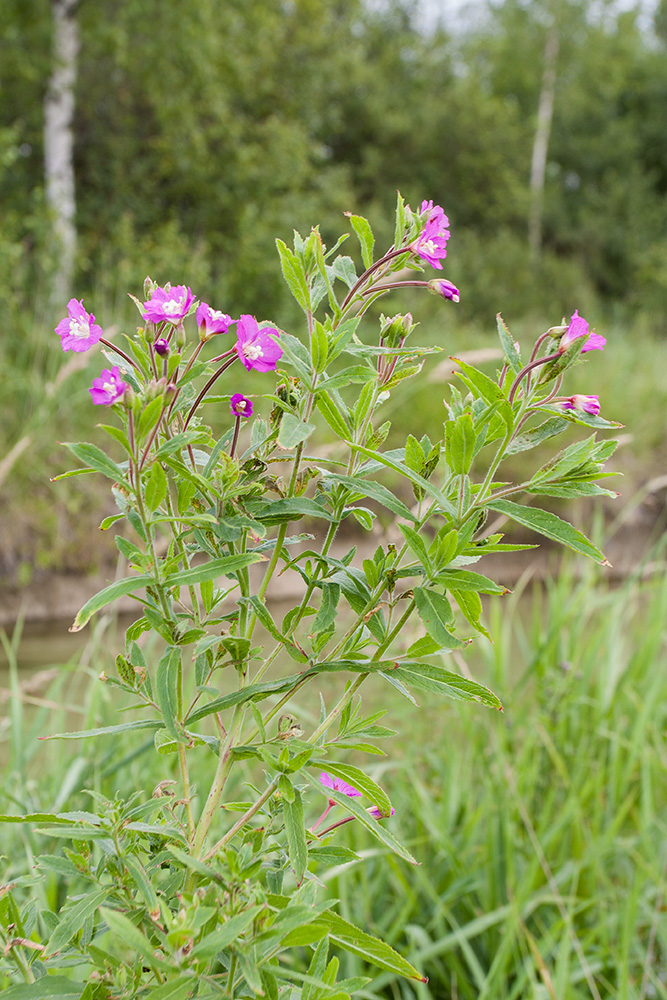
column 204, row 129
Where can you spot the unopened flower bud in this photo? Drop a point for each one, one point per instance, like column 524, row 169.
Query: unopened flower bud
column 584, row 404
column 395, row 329
column 180, row 336
column 149, row 286
column 161, row 347
column 444, row 288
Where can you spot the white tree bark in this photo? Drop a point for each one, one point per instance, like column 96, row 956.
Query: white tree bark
column 541, row 142
column 59, row 142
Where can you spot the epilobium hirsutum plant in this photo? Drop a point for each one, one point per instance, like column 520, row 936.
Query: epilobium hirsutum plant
column 174, row 896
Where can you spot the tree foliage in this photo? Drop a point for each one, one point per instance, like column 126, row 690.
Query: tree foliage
column 204, row 125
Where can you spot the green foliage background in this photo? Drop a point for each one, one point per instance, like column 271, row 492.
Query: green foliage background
column 206, row 128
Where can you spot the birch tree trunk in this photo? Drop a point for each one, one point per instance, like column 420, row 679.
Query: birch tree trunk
column 541, row 142
column 59, row 143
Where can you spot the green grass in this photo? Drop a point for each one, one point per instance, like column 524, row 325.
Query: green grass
column 540, row 831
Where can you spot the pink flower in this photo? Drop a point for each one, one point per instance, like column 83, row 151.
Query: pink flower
column 431, row 244
column 432, row 211
column 440, row 286
column 376, row 814
column 339, row 785
column 585, row 404
column 241, row 407
column 257, row 348
column 579, row 328
column 211, row 321
column 79, row 331
column 108, row 388
column 170, row 304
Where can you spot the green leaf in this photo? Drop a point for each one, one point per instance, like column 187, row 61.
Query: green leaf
column 487, row 389
column 376, row 491
column 166, row 692
column 364, row 233
column 220, row 939
column 403, row 470
column 370, row 948
column 470, row 604
column 103, row 597
column 463, row 579
column 123, row 727
column 149, row 417
column 551, row 526
column 156, row 487
column 175, row 989
column 132, row 937
column 266, row 619
column 342, row 336
column 436, row 615
column 294, row 275
column 416, row 545
column 293, row 431
column 343, row 268
column 326, row 614
column 46, row 988
column 376, row 827
column 436, row 680
column 225, row 566
column 35, row 817
column 96, row 459
column 296, row 834
column 298, row 356
column 253, row 692
column 71, row 920
column 118, row 435
column 331, row 855
column 293, row 509
column 460, row 440
column 332, row 415
column 142, row 880
column 536, row 435
column 358, row 779
column 319, row 347
column 507, row 344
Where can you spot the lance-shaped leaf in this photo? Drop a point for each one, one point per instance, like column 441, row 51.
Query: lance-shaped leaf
column 370, row 948
column 435, row 679
column 358, row 779
column 507, row 343
column 551, row 526
column 166, row 692
column 103, row 597
column 225, row 566
column 293, row 274
column 293, row 431
column 397, row 466
column 376, row 491
column 296, row 834
column 437, row 617
column 464, row 579
column 375, row 826
column 364, row 233
column 222, row 937
column 122, row 727
column 132, row 937
column 72, row 919
column 96, row 459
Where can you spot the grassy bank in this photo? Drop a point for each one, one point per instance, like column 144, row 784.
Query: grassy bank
column 540, row 830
